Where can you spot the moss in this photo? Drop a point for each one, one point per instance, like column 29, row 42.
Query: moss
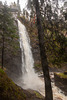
column 38, row 95
column 37, row 65
column 1, row 71
column 8, row 90
column 62, row 75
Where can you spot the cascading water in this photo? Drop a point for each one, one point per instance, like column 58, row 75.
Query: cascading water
column 29, row 79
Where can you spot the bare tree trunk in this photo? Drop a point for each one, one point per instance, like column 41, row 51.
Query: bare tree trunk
column 2, row 51
column 48, row 88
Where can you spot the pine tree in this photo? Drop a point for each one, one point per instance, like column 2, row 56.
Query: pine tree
column 7, row 27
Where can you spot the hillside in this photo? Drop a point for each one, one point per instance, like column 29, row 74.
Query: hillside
column 10, row 91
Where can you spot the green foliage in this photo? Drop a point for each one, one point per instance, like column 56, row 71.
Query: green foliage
column 38, row 95
column 8, row 90
column 55, row 30
column 38, row 66
column 1, row 71
column 7, row 26
column 55, row 44
column 62, row 75
column 8, row 29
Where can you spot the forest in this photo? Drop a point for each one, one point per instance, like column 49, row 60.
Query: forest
column 33, row 50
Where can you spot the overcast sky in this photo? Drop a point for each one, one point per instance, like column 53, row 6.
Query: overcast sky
column 22, row 2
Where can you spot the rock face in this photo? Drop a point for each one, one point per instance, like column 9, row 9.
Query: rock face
column 61, row 83
column 13, row 64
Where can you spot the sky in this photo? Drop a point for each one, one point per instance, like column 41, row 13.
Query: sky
column 21, row 2
column 24, row 2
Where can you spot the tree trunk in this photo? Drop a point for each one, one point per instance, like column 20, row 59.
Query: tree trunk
column 2, row 51
column 48, row 88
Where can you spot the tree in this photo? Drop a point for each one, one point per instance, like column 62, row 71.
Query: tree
column 55, row 40
column 7, row 27
column 48, row 89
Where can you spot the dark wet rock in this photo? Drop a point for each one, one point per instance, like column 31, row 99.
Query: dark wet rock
column 65, row 72
column 61, row 83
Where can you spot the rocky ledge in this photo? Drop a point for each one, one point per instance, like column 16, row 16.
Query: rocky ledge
column 61, row 81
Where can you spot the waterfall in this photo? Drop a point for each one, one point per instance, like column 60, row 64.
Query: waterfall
column 30, row 79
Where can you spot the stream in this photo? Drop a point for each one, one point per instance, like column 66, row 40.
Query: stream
column 29, row 79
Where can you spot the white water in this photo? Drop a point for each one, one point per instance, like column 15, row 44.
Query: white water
column 29, row 79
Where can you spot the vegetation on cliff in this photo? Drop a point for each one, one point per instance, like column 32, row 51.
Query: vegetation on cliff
column 62, row 75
